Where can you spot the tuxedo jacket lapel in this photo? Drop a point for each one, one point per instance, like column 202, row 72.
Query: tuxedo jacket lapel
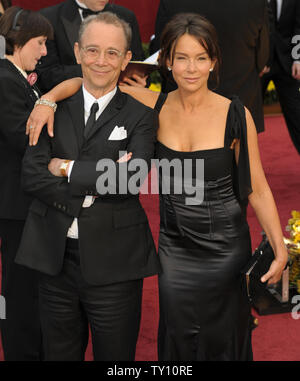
column 76, row 109
column 110, row 112
column 71, row 21
column 284, row 5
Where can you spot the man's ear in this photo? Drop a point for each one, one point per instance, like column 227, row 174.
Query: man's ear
column 77, row 53
column 126, row 60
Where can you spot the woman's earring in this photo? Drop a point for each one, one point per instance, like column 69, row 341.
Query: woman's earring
column 169, row 68
column 211, row 69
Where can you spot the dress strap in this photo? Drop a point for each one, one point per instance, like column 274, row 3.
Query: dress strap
column 237, row 129
column 160, row 102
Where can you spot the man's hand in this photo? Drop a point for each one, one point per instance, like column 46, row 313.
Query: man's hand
column 125, row 158
column 134, row 80
column 265, row 70
column 39, row 116
column 296, row 70
column 54, row 167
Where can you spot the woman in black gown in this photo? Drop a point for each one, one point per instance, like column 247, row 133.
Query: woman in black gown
column 204, row 311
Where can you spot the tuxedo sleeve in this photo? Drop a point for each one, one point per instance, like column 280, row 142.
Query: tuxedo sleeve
column 263, row 42
column 272, row 35
column 51, row 71
column 38, row 181
column 84, row 175
column 136, row 42
column 162, row 18
column 14, row 114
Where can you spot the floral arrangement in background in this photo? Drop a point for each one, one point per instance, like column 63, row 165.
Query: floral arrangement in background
column 293, row 245
column 270, row 96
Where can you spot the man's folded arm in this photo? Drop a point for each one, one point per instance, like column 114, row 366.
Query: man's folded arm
column 87, row 177
column 41, row 184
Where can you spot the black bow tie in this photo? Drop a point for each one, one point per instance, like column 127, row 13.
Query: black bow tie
column 87, row 12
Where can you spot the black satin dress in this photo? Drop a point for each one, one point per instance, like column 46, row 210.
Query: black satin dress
column 204, row 311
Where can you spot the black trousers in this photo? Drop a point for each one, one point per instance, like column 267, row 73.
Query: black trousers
column 289, row 97
column 21, row 330
column 68, row 305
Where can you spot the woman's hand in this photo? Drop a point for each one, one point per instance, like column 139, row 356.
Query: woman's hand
column 39, row 116
column 275, row 271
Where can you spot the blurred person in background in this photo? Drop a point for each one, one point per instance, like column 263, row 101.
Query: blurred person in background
column 284, row 68
column 66, row 17
column 25, row 33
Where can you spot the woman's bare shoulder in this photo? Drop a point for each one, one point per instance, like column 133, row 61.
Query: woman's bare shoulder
column 220, row 100
column 143, row 95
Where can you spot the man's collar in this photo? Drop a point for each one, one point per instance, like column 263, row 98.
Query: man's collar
column 103, row 101
column 81, row 5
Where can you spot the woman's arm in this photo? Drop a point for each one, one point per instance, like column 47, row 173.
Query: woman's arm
column 143, row 95
column 42, row 114
column 262, row 201
column 63, row 90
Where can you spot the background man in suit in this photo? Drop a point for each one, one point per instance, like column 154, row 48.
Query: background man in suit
column 66, row 17
column 243, row 33
column 94, row 275
column 285, row 69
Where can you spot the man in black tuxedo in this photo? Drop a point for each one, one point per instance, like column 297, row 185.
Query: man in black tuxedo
column 285, row 63
column 243, row 33
column 66, row 17
column 93, row 247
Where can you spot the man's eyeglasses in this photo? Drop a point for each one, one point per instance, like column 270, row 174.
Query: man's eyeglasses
column 93, row 53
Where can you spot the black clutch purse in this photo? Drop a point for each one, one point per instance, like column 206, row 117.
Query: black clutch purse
column 258, row 265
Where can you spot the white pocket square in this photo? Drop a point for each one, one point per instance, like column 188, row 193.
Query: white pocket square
column 118, row 133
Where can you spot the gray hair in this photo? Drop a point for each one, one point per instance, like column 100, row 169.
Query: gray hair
column 110, row 19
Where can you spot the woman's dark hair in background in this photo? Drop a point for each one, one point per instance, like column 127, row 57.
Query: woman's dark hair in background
column 6, row 3
column 196, row 26
column 18, row 26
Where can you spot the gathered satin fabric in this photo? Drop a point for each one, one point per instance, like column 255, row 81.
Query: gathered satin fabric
column 204, row 310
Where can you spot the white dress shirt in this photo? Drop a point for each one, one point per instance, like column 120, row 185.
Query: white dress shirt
column 279, row 6
column 89, row 100
column 80, row 10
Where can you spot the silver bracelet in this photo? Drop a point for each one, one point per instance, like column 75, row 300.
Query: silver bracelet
column 46, row 103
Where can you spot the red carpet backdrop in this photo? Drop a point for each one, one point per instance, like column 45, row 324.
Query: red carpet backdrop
column 145, row 11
